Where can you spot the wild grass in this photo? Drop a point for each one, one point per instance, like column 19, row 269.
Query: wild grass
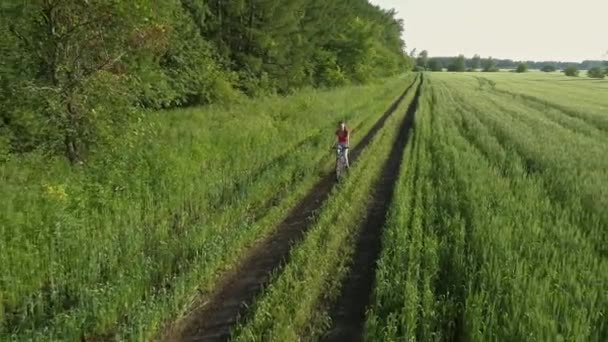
column 114, row 248
column 295, row 305
column 497, row 231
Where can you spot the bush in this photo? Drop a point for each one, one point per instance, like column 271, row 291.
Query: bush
column 521, row 67
column 596, row 72
column 571, row 71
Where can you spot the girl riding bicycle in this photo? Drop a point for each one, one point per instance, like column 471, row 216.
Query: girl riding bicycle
column 343, row 140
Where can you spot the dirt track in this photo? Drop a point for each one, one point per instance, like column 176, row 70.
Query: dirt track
column 348, row 314
column 214, row 319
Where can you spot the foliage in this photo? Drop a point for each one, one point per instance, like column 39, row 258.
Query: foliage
column 435, row 65
column 548, row 68
column 489, row 65
column 423, row 60
column 572, row 71
column 475, row 62
column 64, row 61
column 596, row 72
column 521, row 67
column 458, row 64
column 78, row 71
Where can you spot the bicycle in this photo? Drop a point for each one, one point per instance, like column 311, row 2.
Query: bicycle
column 341, row 165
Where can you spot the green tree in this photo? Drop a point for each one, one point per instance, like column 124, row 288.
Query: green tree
column 489, row 65
column 75, row 72
column 596, row 72
column 71, row 57
column 458, row 64
column 521, row 67
column 571, row 70
column 435, row 65
column 476, row 62
column 548, row 68
column 422, row 60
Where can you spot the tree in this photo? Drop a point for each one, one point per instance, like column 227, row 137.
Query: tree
column 435, row 65
column 458, row 64
column 476, row 62
column 548, row 68
column 571, row 71
column 489, row 65
column 75, row 72
column 422, row 60
column 596, row 72
column 78, row 53
column 521, row 67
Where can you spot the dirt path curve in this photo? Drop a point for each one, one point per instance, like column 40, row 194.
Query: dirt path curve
column 214, row 319
column 348, row 314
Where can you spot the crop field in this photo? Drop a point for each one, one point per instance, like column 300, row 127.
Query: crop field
column 498, row 229
column 474, row 210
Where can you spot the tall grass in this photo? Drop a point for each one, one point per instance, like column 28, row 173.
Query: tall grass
column 511, row 246
column 295, row 305
column 112, row 249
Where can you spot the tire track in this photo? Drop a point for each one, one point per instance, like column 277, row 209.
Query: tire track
column 348, row 314
column 214, row 319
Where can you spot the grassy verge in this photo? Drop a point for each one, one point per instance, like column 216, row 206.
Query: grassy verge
column 295, row 303
column 113, row 248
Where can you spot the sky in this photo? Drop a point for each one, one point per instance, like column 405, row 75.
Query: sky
column 538, row 30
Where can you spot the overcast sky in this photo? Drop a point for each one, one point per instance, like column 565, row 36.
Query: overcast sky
column 561, row 30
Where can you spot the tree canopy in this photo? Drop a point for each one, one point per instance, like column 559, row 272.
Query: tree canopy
column 458, row 64
column 521, row 67
column 548, row 68
column 512, row 64
column 76, row 71
column 489, row 65
column 596, row 72
column 435, row 65
column 571, row 70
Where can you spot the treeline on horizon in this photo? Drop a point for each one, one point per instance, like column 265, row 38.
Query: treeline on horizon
column 422, row 62
column 513, row 64
column 75, row 73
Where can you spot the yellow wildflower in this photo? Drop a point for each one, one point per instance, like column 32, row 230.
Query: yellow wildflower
column 56, row 192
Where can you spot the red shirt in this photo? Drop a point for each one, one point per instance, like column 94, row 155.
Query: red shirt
column 342, row 136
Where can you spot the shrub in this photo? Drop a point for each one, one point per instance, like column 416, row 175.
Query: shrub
column 596, row 72
column 521, row 67
column 571, row 71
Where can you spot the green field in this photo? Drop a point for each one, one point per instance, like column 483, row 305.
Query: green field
column 118, row 247
column 497, row 229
